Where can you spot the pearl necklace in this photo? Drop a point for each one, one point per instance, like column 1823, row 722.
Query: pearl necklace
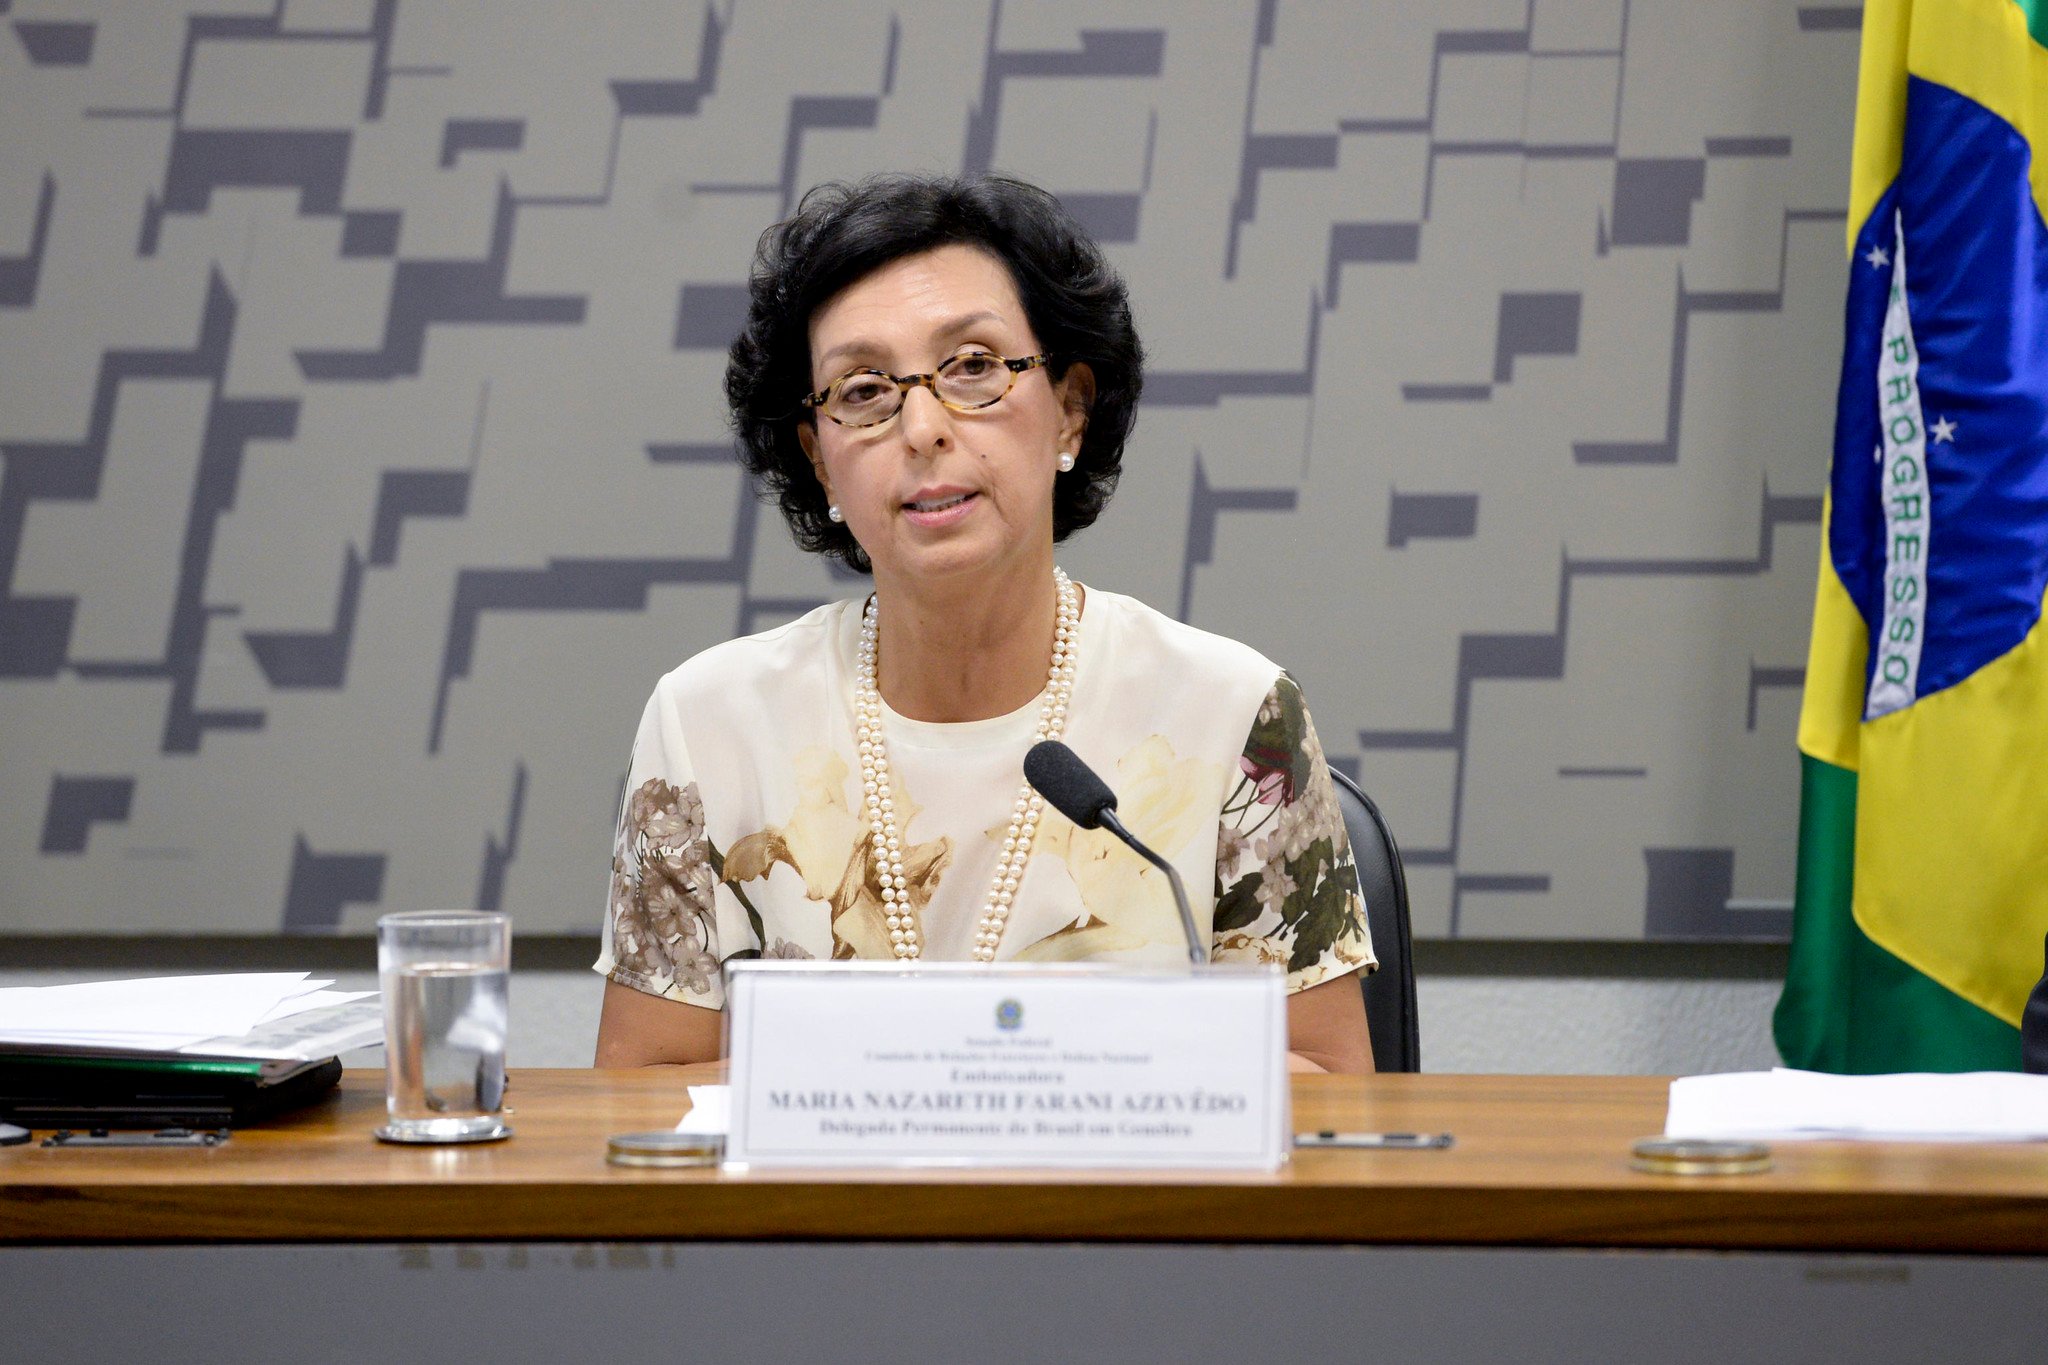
column 904, row 937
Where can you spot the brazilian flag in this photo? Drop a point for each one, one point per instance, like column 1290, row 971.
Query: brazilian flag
column 1922, row 894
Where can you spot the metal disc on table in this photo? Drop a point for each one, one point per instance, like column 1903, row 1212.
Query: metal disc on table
column 412, row 1137
column 1697, row 1156
column 664, row 1148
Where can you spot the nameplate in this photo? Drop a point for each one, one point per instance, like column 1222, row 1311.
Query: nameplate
column 955, row 1064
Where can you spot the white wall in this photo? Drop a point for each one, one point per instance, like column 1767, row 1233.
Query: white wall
column 1597, row 1025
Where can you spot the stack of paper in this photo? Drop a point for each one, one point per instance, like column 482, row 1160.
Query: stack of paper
column 1982, row 1106
column 282, row 1015
column 710, row 1110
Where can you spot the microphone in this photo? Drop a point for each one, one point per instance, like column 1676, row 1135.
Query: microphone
column 1072, row 788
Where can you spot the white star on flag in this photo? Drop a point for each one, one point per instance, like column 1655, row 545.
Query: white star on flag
column 1878, row 257
column 1944, row 431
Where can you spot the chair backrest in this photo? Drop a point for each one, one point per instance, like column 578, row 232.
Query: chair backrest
column 1390, row 991
column 2034, row 1027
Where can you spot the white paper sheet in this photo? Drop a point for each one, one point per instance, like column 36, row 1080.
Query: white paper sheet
column 347, row 1021
column 316, row 999
column 710, row 1110
column 1784, row 1104
column 164, row 1011
column 101, row 1038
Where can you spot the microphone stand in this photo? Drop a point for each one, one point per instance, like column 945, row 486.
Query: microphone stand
column 1197, row 954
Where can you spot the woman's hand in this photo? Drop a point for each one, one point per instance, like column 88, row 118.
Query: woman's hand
column 638, row 1029
column 1326, row 1028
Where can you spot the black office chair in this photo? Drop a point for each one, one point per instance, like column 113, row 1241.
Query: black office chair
column 2034, row 1028
column 1390, row 991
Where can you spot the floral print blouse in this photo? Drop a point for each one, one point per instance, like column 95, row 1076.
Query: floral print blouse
column 742, row 835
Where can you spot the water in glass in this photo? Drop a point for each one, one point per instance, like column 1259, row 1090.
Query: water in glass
column 445, row 1026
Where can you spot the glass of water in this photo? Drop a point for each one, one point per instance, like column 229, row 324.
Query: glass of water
column 445, row 975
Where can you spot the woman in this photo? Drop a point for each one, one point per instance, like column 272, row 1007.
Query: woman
column 936, row 380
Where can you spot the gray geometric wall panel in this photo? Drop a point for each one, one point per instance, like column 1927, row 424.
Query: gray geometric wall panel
column 362, row 460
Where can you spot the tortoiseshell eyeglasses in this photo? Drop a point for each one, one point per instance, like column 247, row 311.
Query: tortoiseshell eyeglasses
column 965, row 383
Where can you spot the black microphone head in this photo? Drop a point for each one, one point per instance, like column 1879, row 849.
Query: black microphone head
column 1057, row 773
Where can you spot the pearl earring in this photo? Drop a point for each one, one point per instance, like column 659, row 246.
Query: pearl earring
column 833, row 513
column 1066, row 461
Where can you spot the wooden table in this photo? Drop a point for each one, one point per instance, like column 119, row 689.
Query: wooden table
column 1540, row 1162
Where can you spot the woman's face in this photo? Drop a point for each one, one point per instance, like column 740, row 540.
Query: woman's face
column 932, row 493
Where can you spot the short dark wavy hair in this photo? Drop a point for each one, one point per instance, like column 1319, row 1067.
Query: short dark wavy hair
column 1073, row 298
